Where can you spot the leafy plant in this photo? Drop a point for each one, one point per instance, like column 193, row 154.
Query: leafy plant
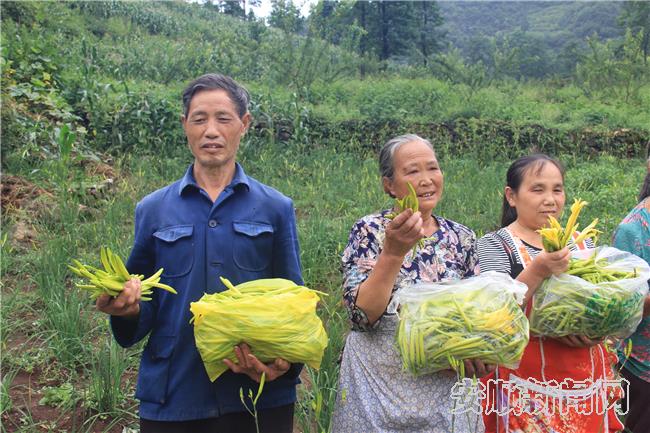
column 107, row 369
column 253, row 400
column 5, row 384
column 62, row 396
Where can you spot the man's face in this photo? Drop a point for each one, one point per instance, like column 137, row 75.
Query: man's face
column 213, row 129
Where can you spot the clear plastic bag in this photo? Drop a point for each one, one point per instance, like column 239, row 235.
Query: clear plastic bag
column 442, row 324
column 570, row 305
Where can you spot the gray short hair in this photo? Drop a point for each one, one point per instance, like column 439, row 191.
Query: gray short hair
column 237, row 93
column 387, row 152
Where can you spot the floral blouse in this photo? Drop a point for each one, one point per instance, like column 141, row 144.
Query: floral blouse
column 449, row 254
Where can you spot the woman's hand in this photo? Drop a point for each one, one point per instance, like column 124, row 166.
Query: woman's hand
column 249, row 365
column 578, row 341
column 475, row 367
column 555, row 263
column 542, row 267
column 402, row 233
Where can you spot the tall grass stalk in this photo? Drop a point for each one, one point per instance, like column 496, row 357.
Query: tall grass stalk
column 107, row 369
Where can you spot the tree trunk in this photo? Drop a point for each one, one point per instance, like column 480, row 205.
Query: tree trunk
column 385, row 49
column 364, row 38
column 423, row 33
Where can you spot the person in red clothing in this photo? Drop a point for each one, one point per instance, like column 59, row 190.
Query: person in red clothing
column 542, row 395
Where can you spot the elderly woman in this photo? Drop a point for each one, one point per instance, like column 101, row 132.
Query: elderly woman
column 375, row 395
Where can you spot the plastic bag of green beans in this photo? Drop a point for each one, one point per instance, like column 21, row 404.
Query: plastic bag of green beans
column 442, row 324
column 600, row 295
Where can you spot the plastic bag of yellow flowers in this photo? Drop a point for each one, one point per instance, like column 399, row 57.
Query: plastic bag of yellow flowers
column 275, row 317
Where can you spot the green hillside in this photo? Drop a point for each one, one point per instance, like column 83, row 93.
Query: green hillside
column 547, row 29
column 90, row 113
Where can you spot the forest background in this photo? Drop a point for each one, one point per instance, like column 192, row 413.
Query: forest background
column 90, row 124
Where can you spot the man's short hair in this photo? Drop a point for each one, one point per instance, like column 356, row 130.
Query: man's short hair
column 237, row 93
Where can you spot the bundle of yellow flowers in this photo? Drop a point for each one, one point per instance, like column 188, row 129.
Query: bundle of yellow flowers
column 556, row 237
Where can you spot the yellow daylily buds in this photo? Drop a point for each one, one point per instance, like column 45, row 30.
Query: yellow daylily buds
column 555, row 224
column 556, row 237
column 571, row 225
column 588, row 232
column 111, row 279
column 409, row 201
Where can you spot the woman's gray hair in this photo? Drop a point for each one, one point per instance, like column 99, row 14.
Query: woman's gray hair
column 387, row 152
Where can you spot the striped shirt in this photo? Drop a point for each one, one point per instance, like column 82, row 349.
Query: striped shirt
column 493, row 252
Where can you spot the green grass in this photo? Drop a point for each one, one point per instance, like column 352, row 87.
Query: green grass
column 434, row 100
column 330, row 191
column 116, row 71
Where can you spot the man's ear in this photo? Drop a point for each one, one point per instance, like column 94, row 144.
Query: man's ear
column 246, row 120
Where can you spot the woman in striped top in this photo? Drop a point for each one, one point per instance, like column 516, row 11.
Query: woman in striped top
column 534, row 191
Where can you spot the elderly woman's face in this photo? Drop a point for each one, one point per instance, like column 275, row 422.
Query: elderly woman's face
column 416, row 162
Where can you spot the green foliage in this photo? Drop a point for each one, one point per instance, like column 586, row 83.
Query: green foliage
column 285, row 16
column 636, row 16
column 5, row 384
column 472, row 76
column 611, row 69
column 109, row 363
column 113, row 72
column 299, row 62
column 83, row 80
column 62, row 396
column 539, row 31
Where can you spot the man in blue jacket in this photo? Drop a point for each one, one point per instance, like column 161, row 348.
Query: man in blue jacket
column 215, row 221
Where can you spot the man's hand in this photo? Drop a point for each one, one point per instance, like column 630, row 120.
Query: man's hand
column 249, row 365
column 126, row 304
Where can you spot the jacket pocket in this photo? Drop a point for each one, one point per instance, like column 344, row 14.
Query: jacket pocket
column 253, row 245
column 175, row 249
column 153, row 376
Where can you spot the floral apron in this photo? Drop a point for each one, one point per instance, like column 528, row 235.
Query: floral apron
column 555, row 389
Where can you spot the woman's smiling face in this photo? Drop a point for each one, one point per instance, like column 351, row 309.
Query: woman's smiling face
column 416, row 162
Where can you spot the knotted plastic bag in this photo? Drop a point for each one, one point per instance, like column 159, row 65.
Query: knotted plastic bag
column 275, row 317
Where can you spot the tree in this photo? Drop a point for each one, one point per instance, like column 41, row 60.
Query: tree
column 430, row 37
column 396, row 33
column 453, row 68
column 335, row 22
column 234, row 8
column 387, row 30
column 610, row 69
column 286, row 16
column 636, row 16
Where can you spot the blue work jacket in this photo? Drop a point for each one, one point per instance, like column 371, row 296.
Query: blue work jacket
column 248, row 233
